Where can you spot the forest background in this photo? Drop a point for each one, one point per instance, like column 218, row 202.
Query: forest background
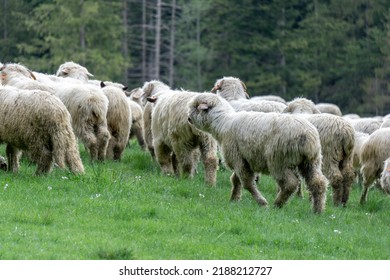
column 334, row 51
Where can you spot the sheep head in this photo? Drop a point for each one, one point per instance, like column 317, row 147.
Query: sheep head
column 15, row 70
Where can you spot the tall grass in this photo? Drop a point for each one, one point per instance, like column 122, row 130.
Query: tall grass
column 128, row 210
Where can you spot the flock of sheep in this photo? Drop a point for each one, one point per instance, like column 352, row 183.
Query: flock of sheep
column 298, row 143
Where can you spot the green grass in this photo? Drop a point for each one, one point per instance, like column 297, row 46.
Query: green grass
column 128, row 210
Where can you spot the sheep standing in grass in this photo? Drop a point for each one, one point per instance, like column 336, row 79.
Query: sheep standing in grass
column 74, row 70
column 337, row 141
column 375, row 161
column 37, row 122
column 86, row 104
column 119, row 120
column 175, row 139
column 137, row 127
column 281, row 145
column 150, row 89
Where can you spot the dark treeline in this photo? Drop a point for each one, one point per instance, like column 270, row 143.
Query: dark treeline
column 334, row 51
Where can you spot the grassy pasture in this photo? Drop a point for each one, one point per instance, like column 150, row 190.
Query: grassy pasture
column 128, row 210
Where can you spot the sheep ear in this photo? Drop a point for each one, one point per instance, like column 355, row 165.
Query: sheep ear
column 89, row 74
column 102, row 84
column 136, row 93
column 152, row 99
column 125, row 88
column 32, row 75
column 202, row 107
column 217, row 87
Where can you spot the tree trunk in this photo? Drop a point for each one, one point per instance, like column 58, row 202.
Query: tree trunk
column 157, row 42
column 125, row 46
column 172, row 44
column 143, row 41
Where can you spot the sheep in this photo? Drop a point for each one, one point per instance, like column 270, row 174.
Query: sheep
column 375, row 161
column 258, row 106
column 386, row 122
column 136, row 95
column 150, row 89
column 137, row 125
column 86, row 104
column 230, row 88
column 301, row 105
column 234, row 90
column 329, row 108
column 351, row 116
column 366, row 125
column 37, row 122
column 282, row 145
column 73, row 70
column 269, row 97
column 360, row 139
column 119, row 120
column 177, row 142
column 337, row 142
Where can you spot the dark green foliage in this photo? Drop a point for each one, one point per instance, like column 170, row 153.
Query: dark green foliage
column 326, row 50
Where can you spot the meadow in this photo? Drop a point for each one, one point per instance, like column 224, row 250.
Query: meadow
column 127, row 210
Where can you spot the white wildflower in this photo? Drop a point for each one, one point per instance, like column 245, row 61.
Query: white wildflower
column 6, row 186
column 64, row 178
column 201, row 195
column 333, row 216
column 49, row 188
column 337, row 231
column 95, row 196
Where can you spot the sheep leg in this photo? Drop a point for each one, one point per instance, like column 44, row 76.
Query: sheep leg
column 247, row 179
column 348, row 178
column 210, row 162
column 44, row 163
column 368, row 179
column 287, row 185
column 236, row 187
column 102, row 139
column 336, row 181
column 164, row 157
column 316, row 184
column 13, row 154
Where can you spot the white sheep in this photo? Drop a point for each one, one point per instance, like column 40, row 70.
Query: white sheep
column 375, row 161
column 265, row 106
column 234, row 90
column 386, row 122
column 269, row 97
column 74, row 70
column 151, row 89
column 119, row 120
column 86, row 104
column 37, row 122
column 282, row 145
column 337, row 141
column 329, row 108
column 366, row 125
column 360, row 139
column 351, row 116
column 176, row 140
column 137, row 127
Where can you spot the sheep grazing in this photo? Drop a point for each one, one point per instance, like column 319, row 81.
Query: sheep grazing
column 282, row 145
column 137, row 126
column 375, row 161
column 177, row 142
column 119, row 120
column 37, row 122
column 329, row 108
column 366, row 125
column 73, row 70
column 337, row 142
column 86, row 104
